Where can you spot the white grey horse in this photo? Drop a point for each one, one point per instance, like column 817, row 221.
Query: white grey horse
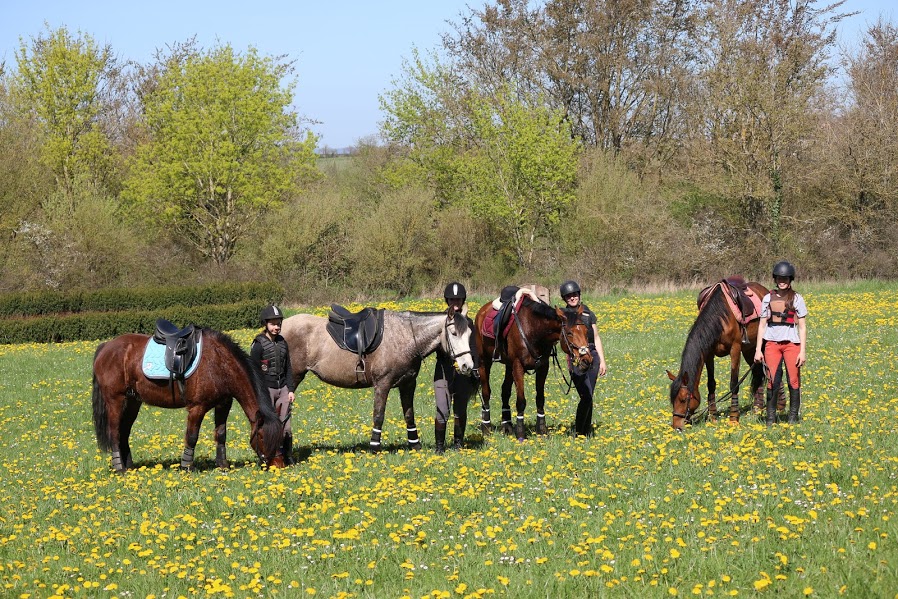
column 408, row 337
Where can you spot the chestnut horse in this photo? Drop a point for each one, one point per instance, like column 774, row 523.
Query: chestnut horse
column 224, row 373
column 715, row 333
column 528, row 347
column 408, row 337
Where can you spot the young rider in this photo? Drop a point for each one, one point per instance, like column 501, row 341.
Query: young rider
column 585, row 382
column 269, row 350
column 448, row 384
column 783, row 328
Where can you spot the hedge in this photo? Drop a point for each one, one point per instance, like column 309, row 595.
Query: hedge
column 105, row 325
column 25, row 304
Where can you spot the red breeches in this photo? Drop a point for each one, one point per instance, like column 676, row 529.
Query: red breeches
column 782, row 351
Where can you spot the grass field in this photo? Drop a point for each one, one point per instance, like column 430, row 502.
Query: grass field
column 636, row 511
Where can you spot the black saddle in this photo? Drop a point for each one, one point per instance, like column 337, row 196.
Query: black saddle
column 180, row 346
column 358, row 332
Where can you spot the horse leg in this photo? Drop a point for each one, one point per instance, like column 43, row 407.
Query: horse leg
column 381, row 391
column 521, row 401
column 541, row 374
column 407, row 397
column 129, row 415
column 712, row 387
column 735, row 361
column 221, row 433
column 191, row 436
column 486, row 420
column 507, row 382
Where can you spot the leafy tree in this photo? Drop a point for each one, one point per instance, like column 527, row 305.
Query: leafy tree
column 764, row 67
column 62, row 81
column 511, row 163
column 224, row 147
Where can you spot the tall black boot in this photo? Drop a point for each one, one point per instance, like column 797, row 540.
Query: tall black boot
column 458, row 440
column 439, row 433
column 794, row 405
column 288, row 449
column 771, row 407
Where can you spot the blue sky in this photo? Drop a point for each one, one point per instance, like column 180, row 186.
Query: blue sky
column 347, row 52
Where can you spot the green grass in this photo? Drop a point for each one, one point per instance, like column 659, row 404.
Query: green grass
column 636, row 511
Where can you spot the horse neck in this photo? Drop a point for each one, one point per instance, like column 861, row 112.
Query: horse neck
column 540, row 329
column 427, row 331
column 704, row 335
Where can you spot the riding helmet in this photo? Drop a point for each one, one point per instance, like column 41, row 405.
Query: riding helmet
column 569, row 287
column 784, row 269
column 270, row 312
column 455, row 291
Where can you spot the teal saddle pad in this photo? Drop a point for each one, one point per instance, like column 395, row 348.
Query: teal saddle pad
column 154, row 360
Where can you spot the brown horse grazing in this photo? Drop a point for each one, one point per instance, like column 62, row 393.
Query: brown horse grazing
column 224, row 372
column 716, row 332
column 528, row 346
column 408, row 337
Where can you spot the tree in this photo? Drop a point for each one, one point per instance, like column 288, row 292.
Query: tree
column 510, row 163
column 764, row 66
column 224, row 147
column 62, row 81
column 612, row 67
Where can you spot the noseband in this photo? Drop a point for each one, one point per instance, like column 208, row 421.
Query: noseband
column 689, row 397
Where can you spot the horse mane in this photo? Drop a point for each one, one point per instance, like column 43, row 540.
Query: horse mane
column 462, row 323
column 539, row 308
column 254, row 372
column 705, row 332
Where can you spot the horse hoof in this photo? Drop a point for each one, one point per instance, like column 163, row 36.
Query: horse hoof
column 521, row 439
column 507, row 428
column 486, row 428
column 416, row 446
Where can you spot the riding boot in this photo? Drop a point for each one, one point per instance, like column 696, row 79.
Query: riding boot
column 288, row 449
column 794, row 405
column 771, row 407
column 439, row 433
column 458, row 434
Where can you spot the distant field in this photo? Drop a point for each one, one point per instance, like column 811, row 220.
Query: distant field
column 636, row 511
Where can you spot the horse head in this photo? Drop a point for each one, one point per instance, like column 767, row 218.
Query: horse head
column 456, row 339
column 575, row 339
column 684, row 400
column 266, row 440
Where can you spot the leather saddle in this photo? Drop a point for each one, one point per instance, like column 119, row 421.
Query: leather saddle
column 358, row 332
column 736, row 288
column 180, row 346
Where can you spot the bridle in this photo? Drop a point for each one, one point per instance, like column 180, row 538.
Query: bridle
column 689, row 397
column 575, row 352
column 450, row 333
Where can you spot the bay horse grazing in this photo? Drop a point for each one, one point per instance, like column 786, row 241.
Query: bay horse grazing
column 527, row 347
column 408, row 337
column 717, row 332
column 224, row 373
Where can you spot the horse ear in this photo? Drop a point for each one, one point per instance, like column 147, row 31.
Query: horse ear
column 671, row 375
column 464, row 309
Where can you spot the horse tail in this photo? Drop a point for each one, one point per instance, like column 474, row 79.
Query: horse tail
column 101, row 418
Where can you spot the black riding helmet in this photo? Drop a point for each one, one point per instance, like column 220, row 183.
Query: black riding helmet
column 569, row 287
column 784, row 269
column 270, row 312
column 455, row 290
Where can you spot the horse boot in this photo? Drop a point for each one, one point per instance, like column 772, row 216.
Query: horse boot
column 757, row 405
column 288, row 450
column 439, row 433
column 771, row 407
column 794, row 404
column 519, row 429
column 541, row 428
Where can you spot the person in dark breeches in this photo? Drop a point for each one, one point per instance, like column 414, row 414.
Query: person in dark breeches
column 448, row 384
column 585, row 382
column 269, row 350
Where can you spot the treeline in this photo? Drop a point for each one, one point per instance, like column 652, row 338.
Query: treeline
column 616, row 143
